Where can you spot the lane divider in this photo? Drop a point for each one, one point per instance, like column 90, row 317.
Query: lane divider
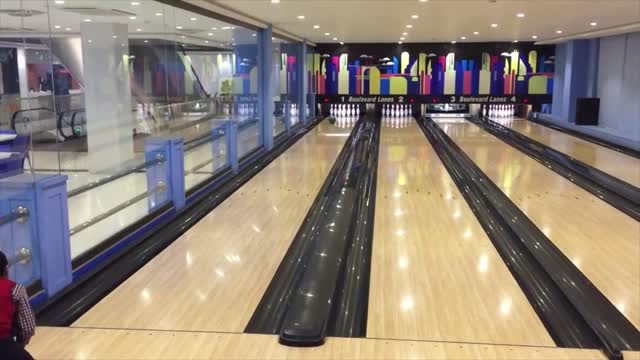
column 573, row 310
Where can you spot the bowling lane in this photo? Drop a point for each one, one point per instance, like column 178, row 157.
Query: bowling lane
column 435, row 274
column 213, row 276
column 622, row 166
column 601, row 241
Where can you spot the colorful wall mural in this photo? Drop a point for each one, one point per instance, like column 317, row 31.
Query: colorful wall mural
column 433, row 69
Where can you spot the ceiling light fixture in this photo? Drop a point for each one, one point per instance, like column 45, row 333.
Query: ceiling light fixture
column 558, row 31
column 409, row 26
column 138, row 30
column 275, row 1
column 593, row 24
column 210, row 34
column 316, row 26
column 115, row 36
column 207, row 41
column 335, row 39
column 68, row 29
column 254, row 35
column 515, row 41
column 405, row 34
column 520, row 15
column 59, row 2
column 179, row 27
column 475, row 33
column 400, row 42
column 534, row 36
column 87, row 20
column 341, row 43
column 135, row 3
column 463, row 38
column 57, row 26
column 494, row 25
column 402, row 38
column 193, row 19
column 158, row 14
column 423, row 0
column 146, row 41
column 327, row 34
column 225, row 27
column 414, row 16
column 214, row 28
column 183, row 36
column 132, row 17
column 453, row 42
column 301, row 17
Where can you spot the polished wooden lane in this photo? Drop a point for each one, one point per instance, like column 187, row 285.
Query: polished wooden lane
column 601, row 241
column 212, row 277
column 435, row 274
column 617, row 164
column 83, row 344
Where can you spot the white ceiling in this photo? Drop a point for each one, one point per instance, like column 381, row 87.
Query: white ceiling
column 64, row 19
column 439, row 20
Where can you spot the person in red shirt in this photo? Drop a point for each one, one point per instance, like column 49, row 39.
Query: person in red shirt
column 17, row 322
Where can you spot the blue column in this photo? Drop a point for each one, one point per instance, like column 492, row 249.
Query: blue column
column 302, row 76
column 43, row 229
column 165, row 180
column 576, row 76
column 232, row 145
column 265, row 97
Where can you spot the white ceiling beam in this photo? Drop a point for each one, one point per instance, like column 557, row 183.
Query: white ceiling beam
column 611, row 31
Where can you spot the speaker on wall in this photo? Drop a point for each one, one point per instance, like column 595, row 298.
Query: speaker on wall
column 587, row 111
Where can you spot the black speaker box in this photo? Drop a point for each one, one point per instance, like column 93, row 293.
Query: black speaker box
column 587, row 111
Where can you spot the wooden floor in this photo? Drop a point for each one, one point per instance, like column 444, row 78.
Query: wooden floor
column 83, row 344
column 212, row 277
column 435, row 274
column 622, row 166
column 601, row 241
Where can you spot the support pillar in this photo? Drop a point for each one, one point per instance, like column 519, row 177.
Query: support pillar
column 107, row 94
column 265, row 101
column 302, row 83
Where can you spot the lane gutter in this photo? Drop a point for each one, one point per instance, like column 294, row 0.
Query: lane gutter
column 617, row 193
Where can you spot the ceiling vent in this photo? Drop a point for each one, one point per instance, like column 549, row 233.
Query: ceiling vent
column 94, row 11
column 21, row 12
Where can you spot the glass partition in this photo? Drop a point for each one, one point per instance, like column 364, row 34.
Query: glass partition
column 310, row 81
column 285, row 86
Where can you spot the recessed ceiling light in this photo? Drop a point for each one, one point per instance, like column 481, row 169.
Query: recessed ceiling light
column 335, row 39
column 423, row 0
column 402, row 38
column 301, row 17
column 68, row 29
column 207, row 41
column 146, row 41
column 494, row 25
column 316, row 26
column 89, row 41
column 254, row 34
column 57, row 26
column 275, row 1
column 158, row 14
column 520, row 15
column 214, row 28
column 193, row 19
column 453, row 42
column 593, row 24
column 400, row 42
column 414, row 16
column 475, row 33
column 515, row 41
column 463, row 38
column 183, row 36
column 225, row 27
column 341, row 43
column 534, row 36
column 210, row 34
column 327, row 34
column 59, row 2
column 405, row 34
column 558, row 31
column 87, row 20
column 233, row 27
column 135, row 3
column 132, row 17
column 409, row 26
column 179, row 27
column 138, row 30
column 115, row 36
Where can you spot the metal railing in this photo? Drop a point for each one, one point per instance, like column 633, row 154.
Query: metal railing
column 160, row 158
column 20, row 215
